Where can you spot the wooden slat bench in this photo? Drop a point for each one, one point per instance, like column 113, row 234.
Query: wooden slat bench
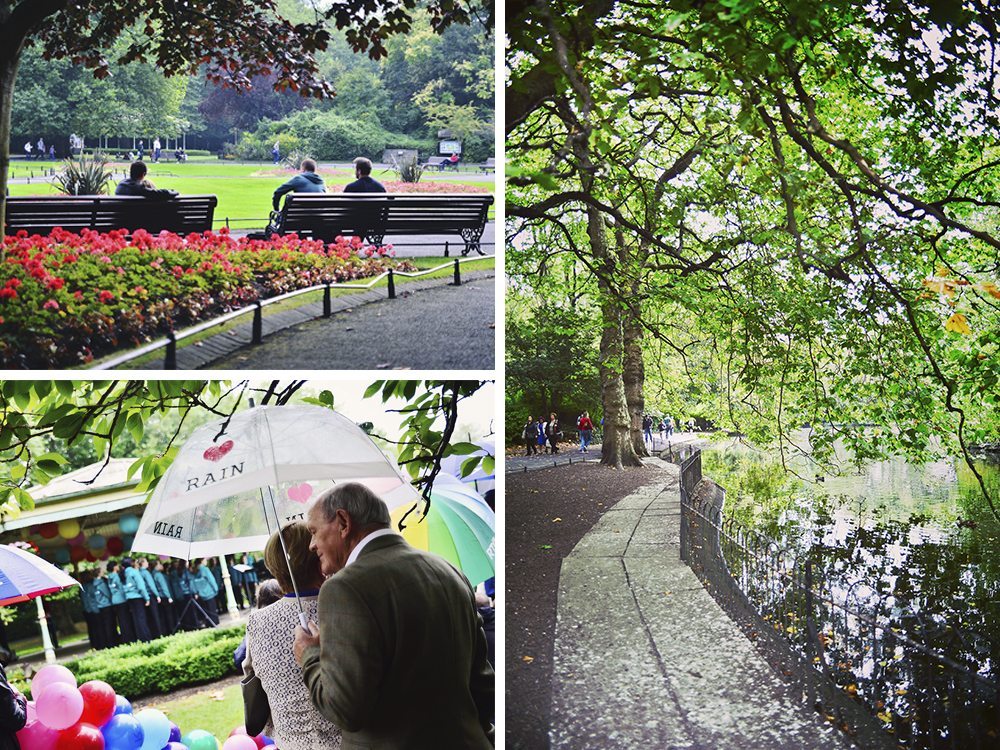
column 325, row 216
column 441, row 162
column 40, row 214
column 490, row 165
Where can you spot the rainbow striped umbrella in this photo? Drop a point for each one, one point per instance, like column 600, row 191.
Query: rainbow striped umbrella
column 459, row 527
column 24, row 576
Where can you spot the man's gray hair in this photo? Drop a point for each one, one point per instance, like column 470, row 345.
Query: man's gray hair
column 363, row 506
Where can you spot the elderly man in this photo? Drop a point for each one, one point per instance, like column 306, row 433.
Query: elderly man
column 399, row 657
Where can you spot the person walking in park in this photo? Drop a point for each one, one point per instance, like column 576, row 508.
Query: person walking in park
column 552, row 432
column 40, row 149
column 586, row 428
column 399, row 656
column 156, row 150
column 52, row 151
column 204, row 589
column 307, row 181
column 276, row 152
column 364, row 183
column 647, row 428
column 27, row 151
column 530, row 436
column 137, row 184
column 141, row 149
column 137, row 599
column 542, row 440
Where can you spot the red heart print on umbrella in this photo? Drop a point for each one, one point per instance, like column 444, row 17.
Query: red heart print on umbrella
column 300, row 492
column 216, row 452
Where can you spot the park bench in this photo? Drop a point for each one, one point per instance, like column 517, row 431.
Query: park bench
column 40, row 214
column 326, row 216
column 441, row 162
column 490, row 165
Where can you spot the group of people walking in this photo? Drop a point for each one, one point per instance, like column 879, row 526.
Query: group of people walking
column 133, row 600
column 541, row 434
column 38, row 151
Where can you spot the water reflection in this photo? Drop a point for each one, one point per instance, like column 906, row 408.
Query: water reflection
column 913, row 549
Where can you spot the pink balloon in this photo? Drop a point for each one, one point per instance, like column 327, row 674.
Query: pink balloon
column 37, row 736
column 48, row 675
column 32, row 716
column 59, row 706
column 239, row 742
column 238, row 730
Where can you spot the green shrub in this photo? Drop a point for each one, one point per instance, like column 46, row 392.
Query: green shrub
column 84, row 176
column 160, row 666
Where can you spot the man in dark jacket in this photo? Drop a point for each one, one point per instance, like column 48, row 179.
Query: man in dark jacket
column 365, row 182
column 305, row 182
column 137, row 184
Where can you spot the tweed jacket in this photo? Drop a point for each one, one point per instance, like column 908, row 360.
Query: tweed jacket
column 402, row 655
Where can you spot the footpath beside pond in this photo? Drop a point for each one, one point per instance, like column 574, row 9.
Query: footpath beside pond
column 636, row 653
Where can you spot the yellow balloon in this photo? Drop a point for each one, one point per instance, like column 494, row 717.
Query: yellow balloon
column 69, row 528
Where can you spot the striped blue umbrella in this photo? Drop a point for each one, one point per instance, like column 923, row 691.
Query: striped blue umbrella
column 24, row 576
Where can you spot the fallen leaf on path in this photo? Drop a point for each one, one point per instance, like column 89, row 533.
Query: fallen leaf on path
column 527, row 659
column 556, row 519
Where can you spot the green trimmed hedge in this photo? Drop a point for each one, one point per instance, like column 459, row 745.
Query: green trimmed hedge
column 162, row 665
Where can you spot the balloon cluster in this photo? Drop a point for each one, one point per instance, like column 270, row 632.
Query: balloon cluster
column 93, row 717
column 80, row 547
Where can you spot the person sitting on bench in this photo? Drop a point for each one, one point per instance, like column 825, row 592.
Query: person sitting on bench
column 365, row 182
column 305, row 182
column 137, row 184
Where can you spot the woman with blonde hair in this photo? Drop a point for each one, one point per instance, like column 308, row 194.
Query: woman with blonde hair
column 295, row 723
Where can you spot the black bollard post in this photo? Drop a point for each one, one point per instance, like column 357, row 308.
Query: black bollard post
column 258, row 324
column 392, row 285
column 446, row 249
column 326, row 301
column 458, row 274
column 170, row 359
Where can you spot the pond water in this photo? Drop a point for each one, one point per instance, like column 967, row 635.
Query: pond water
column 914, row 546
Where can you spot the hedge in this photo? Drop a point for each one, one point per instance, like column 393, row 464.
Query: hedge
column 162, row 665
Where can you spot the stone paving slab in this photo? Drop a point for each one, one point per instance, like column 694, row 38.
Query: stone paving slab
column 645, row 658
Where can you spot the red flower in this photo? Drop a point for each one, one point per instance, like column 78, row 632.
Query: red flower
column 105, row 296
column 8, row 293
column 78, row 294
column 55, row 283
column 15, row 282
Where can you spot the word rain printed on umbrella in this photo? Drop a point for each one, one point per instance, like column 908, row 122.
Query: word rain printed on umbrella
column 232, row 485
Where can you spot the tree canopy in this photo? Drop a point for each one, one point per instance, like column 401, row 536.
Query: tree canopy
column 796, row 203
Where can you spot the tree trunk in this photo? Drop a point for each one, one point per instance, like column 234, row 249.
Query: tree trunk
column 616, row 447
column 634, row 376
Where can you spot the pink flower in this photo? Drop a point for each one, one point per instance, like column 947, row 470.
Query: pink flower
column 50, row 305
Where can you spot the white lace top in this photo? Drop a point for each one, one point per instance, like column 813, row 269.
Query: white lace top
column 297, row 725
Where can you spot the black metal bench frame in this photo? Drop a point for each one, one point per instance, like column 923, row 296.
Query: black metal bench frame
column 40, row 214
column 373, row 216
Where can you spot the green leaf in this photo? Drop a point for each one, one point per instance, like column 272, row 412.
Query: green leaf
column 462, row 449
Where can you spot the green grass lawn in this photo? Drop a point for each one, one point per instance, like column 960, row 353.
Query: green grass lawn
column 244, row 190
column 214, row 709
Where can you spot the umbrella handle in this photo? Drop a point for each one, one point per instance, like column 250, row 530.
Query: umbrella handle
column 304, row 622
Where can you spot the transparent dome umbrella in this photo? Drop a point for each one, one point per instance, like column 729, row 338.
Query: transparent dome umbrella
column 235, row 482
column 480, row 479
column 459, row 527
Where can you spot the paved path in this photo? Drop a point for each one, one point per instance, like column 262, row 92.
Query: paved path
column 441, row 327
column 235, row 342
column 645, row 658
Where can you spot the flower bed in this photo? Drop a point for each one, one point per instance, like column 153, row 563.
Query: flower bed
column 67, row 298
column 394, row 186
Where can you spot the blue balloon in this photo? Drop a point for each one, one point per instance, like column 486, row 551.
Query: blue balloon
column 172, row 745
column 175, row 733
column 267, row 740
column 129, row 524
column 62, row 555
column 122, row 706
column 122, row 733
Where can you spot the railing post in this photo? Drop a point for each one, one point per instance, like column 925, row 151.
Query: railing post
column 446, row 249
column 170, row 358
column 326, row 301
column 392, row 286
column 258, row 324
column 458, row 274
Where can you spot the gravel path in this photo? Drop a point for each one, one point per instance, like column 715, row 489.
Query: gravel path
column 445, row 327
